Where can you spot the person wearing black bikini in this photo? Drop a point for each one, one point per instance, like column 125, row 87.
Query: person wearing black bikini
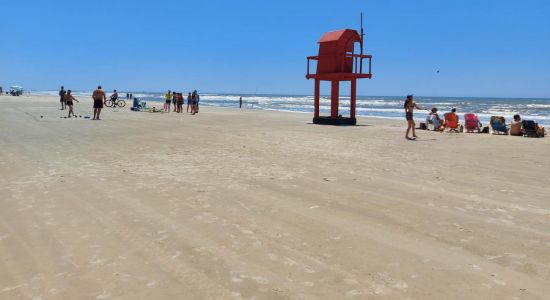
column 69, row 101
column 409, row 107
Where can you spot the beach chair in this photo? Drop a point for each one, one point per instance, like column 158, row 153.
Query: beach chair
column 451, row 122
column 498, row 125
column 530, row 129
column 471, row 122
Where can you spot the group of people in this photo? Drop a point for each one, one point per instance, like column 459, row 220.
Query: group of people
column 66, row 98
column 178, row 100
column 99, row 97
column 439, row 124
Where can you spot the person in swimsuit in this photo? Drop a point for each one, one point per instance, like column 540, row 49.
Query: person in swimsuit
column 197, row 99
column 194, row 103
column 62, row 93
column 409, row 106
column 167, row 99
column 175, row 101
column 189, row 101
column 69, row 102
column 99, row 99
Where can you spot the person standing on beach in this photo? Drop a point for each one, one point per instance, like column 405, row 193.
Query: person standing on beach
column 241, row 102
column 189, row 101
column 409, row 106
column 175, row 101
column 62, row 93
column 99, row 99
column 167, row 99
column 197, row 99
column 180, row 103
column 69, row 102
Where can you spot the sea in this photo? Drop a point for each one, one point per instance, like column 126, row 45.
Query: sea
column 388, row 107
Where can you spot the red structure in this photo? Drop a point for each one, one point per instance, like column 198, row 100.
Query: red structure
column 337, row 62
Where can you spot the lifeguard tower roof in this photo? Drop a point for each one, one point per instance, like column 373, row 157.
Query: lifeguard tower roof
column 339, row 35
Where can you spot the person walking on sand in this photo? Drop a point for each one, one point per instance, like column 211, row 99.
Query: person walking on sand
column 241, row 102
column 62, row 93
column 99, row 99
column 409, row 107
column 189, row 101
column 167, row 99
column 69, row 102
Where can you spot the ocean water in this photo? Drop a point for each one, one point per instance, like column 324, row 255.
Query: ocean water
column 372, row 106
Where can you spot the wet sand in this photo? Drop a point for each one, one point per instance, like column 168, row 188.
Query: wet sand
column 247, row 204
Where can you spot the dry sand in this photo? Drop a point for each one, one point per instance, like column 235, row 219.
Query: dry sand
column 232, row 204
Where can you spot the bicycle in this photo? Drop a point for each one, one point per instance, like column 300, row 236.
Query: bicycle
column 115, row 103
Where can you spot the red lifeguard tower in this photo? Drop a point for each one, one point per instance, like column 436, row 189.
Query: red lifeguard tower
column 337, row 62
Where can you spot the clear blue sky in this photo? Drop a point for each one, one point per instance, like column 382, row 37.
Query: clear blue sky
column 481, row 47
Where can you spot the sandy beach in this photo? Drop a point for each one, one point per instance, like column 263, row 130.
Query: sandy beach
column 250, row 204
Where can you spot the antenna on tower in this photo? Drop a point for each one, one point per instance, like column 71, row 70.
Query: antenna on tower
column 362, row 33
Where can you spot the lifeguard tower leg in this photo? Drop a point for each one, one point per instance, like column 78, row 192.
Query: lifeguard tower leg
column 353, row 95
column 316, row 100
column 335, row 92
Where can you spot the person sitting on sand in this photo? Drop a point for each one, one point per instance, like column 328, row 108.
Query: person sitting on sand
column 515, row 126
column 99, row 99
column 409, row 106
column 436, row 120
column 69, row 102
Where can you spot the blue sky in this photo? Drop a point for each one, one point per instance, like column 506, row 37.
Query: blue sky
column 482, row 48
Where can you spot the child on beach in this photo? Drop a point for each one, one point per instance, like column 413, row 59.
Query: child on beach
column 409, row 107
column 68, row 98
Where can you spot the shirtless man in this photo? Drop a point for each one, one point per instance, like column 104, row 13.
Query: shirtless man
column 99, row 99
column 62, row 93
column 515, row 126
